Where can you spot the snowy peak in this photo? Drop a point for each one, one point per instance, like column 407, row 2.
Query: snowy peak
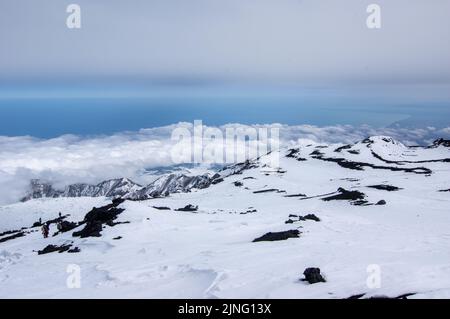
column 117, row 187
column 172, row 183
column 110, row 188
column 382, row 140
column 40, row 189
column 441, row 142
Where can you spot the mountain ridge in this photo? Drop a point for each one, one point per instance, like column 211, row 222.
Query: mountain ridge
column 382, row 148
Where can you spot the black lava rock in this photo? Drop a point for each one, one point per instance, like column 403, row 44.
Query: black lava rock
column 188, row 208
column 95, row 219
column 346, row 195
column 388, row 188
column 310, row 217
column 217, row 181
column 442, row 142
column 36, row 224
column 283, row 235
column 92, row 229
column 53, row 248
column 161, row 207
column 313, row 276
column 74, row 250
column 16, row 235
column 66, row 226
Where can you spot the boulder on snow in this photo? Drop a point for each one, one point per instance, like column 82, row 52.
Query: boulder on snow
column 92, row 229
column 95, row 219
column 283, row 235
column 14, row 236
column 385, row 187
column 53, row 248
column 346, row 195
column 66, row 226
column 313, row 276
column 187, row 208
column 161, row 207
column 309, row 217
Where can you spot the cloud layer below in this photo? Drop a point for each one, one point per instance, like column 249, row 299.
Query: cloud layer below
column 69, row 158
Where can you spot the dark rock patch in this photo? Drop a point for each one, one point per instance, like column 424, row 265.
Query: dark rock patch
column 358, row 296
column 270, row 190
column 359, row 166
column 53, row 248
column 316, row 153
column 92, row 229
column 36, row 224
column 105, row 213
column 50, row 221
column 238, row 184
column 384, row 187
column 443, row 160
column 249, row 177
column 117, row 238
column 360, row 202
column 345, row 147
column 403, row 296
column 283, row 235
column 9, row 232
column 297, row 218
column 66, row 226
column 441, row 141
column 444, row 190
column 217, row 181
column 95, row 219
column 381, row 202
column 74, row 250
column 295, row 195
column 112, row 223
column 310, row 217
column 292, row 152
column 187, row 208
column 346, row 195
column 14, row 236
column 313, row 276
column 350, row 179
column 161, row 207
column 249, row 211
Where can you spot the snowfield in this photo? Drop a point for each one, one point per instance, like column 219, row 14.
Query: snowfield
column 154, row 250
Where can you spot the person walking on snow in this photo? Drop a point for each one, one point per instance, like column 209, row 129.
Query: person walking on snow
column 45, row 230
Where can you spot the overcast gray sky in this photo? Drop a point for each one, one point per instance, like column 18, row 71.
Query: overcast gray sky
column 304, row 41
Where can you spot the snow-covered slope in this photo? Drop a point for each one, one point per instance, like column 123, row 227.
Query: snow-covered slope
column 379, row 203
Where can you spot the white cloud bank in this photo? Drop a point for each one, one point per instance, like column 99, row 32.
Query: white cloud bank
column 68, row 159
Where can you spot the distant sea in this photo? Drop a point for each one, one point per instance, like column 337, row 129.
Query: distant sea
column 46, row 118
